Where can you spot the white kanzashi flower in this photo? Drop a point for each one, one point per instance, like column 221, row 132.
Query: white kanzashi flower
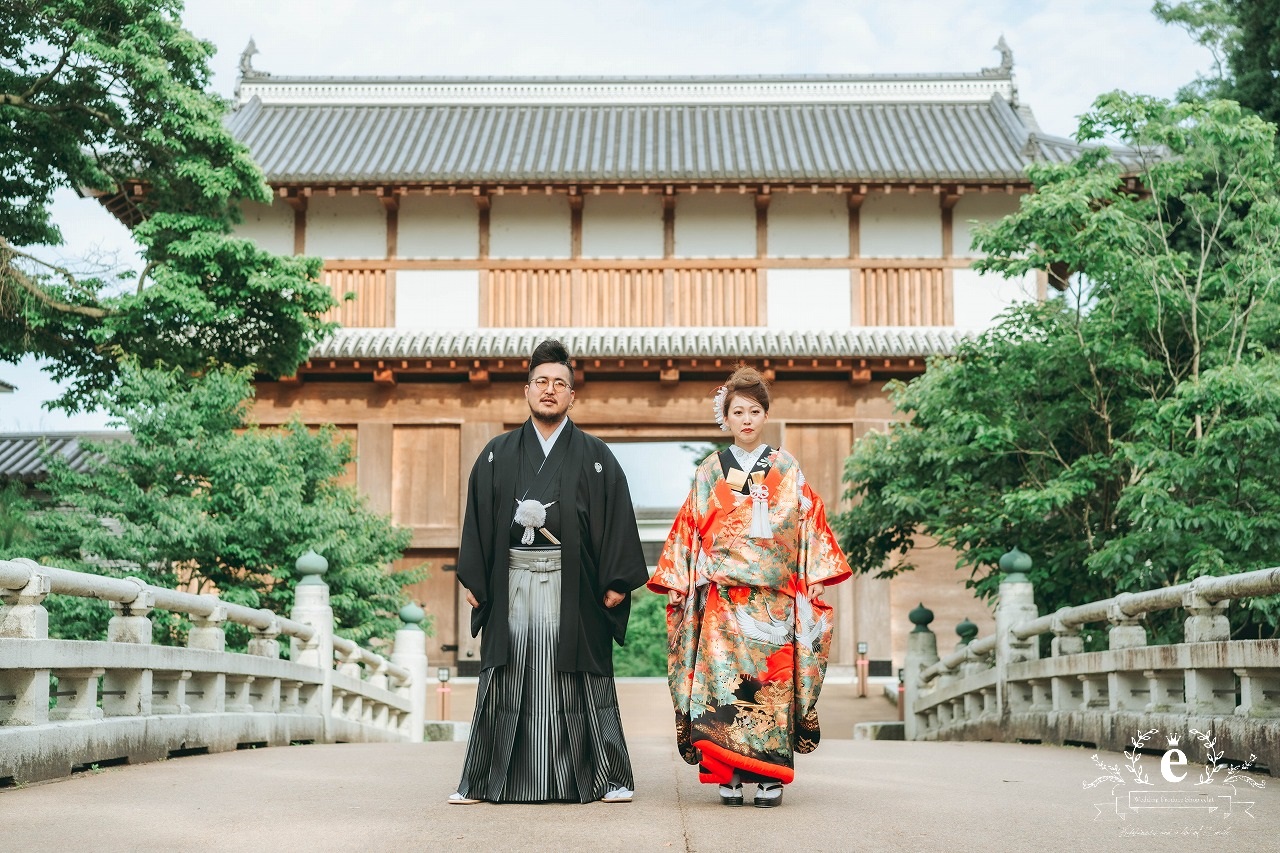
column 531, row 515
column 717, row 407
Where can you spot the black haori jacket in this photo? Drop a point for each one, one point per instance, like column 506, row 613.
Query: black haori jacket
column 601, row 552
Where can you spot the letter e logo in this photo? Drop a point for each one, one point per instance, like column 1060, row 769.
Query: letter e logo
column 1170, row 757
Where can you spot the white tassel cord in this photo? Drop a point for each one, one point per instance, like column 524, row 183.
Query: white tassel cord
column 760, row 526
column 531, row 515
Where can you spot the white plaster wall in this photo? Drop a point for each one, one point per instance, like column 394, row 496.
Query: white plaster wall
column 270, row 226
column 973, row 209
column 979, row 297
column 438, row 226
column 346, row 226
column 899, row 225
column 532, row 226
column 622, row 226
column 715, row 226
column 808, row 299
column 805, row 225
column 437, row 299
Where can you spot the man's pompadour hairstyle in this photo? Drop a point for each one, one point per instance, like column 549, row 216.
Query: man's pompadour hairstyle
column 550, row 352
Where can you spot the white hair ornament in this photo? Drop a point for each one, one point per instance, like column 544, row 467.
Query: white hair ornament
column 717, row 407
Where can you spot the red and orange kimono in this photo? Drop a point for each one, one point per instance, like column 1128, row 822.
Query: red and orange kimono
column 748, row 648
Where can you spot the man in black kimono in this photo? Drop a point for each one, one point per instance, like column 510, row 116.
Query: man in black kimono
column 549, row 555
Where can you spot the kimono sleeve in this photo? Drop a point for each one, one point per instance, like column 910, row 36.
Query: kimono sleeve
column 475, row 550
column 821, row 560
column 679, row 554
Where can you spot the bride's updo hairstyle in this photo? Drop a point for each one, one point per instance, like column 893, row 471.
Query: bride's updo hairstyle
column 745, row 382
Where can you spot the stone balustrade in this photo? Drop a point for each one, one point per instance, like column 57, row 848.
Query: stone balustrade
column 68, row 704
column 1000, row 688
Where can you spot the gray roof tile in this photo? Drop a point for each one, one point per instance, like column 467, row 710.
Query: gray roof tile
column 311, row 130
column 693, row 342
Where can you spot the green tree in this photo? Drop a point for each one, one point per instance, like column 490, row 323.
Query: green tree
column 645, row 653
column 104, row 96
column 1122, row 434
column 15, row 524
column 201, row 496
column 1244, row 38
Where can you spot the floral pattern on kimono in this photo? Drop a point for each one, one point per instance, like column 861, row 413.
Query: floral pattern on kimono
column 748, row 648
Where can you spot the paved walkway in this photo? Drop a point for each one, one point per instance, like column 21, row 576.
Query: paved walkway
column 849, row 796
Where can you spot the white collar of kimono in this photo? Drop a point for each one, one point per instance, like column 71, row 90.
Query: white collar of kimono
column 747, row 458
column 548, row 443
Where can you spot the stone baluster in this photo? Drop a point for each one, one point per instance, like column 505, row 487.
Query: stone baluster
column 922, row 653
column 1212, row 690
column 208, row 690
column 1126, row 632
column 263, row 643
column 1017, row 604
column 311, row 607
column 127, row 692
column 24, row 693
column 410, row 651
column 349, row 705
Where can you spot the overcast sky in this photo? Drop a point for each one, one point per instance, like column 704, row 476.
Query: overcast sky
column 1066, row 52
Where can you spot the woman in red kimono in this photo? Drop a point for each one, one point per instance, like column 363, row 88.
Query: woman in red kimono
column 744, row 569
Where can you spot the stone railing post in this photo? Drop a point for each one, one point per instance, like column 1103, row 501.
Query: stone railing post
column 311, row 607
column 128, row 693
column 207, row 631
column 1126, row 632
column 24, row 694
column 922, row 653
column 1206, row 620
column 410, row 651
column 1017, row 604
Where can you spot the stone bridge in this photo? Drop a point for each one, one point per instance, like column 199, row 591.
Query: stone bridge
column 955, row 788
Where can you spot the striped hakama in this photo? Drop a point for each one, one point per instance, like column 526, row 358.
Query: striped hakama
column 539, row 735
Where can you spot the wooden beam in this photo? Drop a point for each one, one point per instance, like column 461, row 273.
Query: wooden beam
column 855, row 224
column 575, row 226
column 669, row 224
column 860, row 376
column 947, row 203
column 762, row 224
column 478, row 377
column 482, row 205
column 384, row 376
column 669, row 375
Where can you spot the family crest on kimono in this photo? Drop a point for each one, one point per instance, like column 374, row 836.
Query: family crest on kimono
column 744, row 569
column 549, row 556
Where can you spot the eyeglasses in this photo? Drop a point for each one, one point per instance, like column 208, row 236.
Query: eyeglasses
column 558, row 385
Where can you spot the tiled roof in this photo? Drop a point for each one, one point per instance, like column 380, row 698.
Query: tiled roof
column 6, row 387
column 889, row 128
column 22, row 455
column 692, row 342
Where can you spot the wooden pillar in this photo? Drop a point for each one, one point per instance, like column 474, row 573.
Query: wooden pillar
column 948, row 204
column 391, row 204
column 668, row 252
column 482, row 205
column 762, row 251
column 298, row 202
column 855, row 251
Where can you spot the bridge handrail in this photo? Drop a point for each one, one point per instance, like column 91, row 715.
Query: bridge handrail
column 1133, row 604
column 1003, row 687
column 16, row 574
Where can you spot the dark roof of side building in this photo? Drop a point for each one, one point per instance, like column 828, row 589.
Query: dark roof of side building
column 23, row 455
column 5, row 387
column 891, row 128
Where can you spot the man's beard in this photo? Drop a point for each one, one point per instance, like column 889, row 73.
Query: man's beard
column 549, row 420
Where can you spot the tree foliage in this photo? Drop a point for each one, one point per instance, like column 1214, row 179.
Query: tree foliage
column 100, row 96
column 202, row 498
column 1244, row 38
column 1123, row 433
